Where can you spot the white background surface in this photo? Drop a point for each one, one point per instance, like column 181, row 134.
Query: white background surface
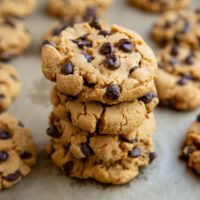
column 166, row 179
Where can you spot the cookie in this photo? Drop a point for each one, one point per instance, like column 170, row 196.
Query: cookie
column 178, row 81
column 17, row 151
column 191, row 146
column 93, row 116
column 17, row 8
column 14, row 38
column 105, row 158
column 181, row 26
column 84, row 9
column 9, row 85
column 161, row 5
column 95, row 64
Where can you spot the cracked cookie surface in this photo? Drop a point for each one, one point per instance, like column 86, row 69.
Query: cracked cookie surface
column 17, row 151
column 109, row 66
column 80, row 8
column 183, row 26
column 9, row 85
column 18, row 8
column 93, row 116
column 191, row 146
column 161, row 5
column 178, row 81
column 14, row 38
column 105, row 158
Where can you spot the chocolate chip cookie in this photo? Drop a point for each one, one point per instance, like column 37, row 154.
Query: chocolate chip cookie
column 95, row 64
column 105, row 158
column 79, row 8
column 9, row 85
column 191, row 146
column 178, row 81
column 181, row 26
column 14, row 37
column 93, row 116
column 17, row 151
column 161, row 5
column 17, row 8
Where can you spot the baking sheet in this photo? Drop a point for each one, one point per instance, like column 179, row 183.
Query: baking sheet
column 167, row 178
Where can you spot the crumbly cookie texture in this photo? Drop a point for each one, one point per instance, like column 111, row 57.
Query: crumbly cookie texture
column 17, row 151
column 14, row 37
column 9, row 85
column 183, row 26
column 93, row 116
column 105, row 158
column 18, row 8
column 110, row 66
column 191, row 146
column 161, row 5
column 178, row 81
column 69, row 8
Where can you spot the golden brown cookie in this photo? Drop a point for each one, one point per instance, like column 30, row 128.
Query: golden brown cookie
column 17, row 151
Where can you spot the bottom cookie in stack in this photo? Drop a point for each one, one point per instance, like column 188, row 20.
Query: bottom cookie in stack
column 114, row 159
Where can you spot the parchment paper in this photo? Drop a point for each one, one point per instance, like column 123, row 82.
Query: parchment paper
column 167, row 178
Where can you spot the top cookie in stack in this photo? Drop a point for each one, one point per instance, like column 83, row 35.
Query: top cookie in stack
column 101, row 125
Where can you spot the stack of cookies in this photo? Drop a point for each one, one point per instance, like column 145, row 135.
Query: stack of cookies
column 101, row 125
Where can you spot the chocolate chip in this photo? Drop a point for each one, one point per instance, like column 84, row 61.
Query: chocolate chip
column 125, row 45
column 57, row 31
column 173, row 62
column 86, row 83
column 184, row 80
column 189, row 59
column 106, row 49
column 148, row 97
column 26, row 155
column 82, row 42
column 133, row 69
column 94, row 23
column 86, row 149
column 174, row 50
column 47, row 42
column 2, row 96
column 88, row 57
column 20, row 124
column 67, row 68
column 123, row 139
column 10, row 22
column 112, row 62
column 52, row 131
column 14, row 176
column 68, row 167
column 3, row 156
column 198, row 118
column 187, row 152
column 6, row 57
column 152, row 156
column 113, row 92
column 186, row 27
column 89, row 14
column 4, row 135
column 104, row 33
column 135, row 152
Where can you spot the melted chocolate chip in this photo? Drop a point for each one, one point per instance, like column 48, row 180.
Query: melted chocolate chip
column 13, row 177
column 26, row 155
column 94, row 23
column 4, row 135
column 68, row 167
column 86, row 149
column 198, row 118
column 148, row 97
column 104, row 33
column 88, row 57
column 189, row 59
column 112, row 62
column 113, row 92
column 133, row 69
column 3, row 156
column 152, row 157
column 184, row 80
column 174, row 50
column 67, row 68
column 82, row 42
column 106, row 49
column 125, row 45
column 135, row 152
column 89, row 14
column 52, row 131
